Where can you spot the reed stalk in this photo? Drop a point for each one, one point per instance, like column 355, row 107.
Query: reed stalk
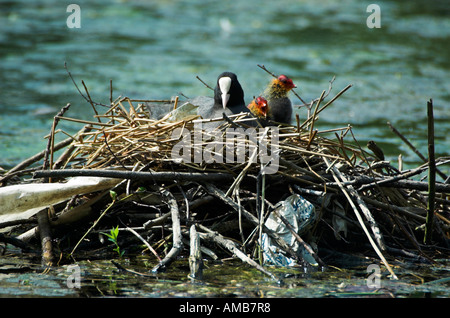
column 431, row 175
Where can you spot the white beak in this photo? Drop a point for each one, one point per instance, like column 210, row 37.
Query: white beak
column 225, row 85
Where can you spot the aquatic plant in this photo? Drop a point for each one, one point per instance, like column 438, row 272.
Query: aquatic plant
column 113, row 237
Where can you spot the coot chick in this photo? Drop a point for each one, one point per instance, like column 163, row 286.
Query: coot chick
column 280, row 106
column 259, row 108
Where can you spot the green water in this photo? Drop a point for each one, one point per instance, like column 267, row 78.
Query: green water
column 20, row 277
column 155, row 49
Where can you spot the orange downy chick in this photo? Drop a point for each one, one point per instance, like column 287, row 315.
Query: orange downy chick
column 258, row 107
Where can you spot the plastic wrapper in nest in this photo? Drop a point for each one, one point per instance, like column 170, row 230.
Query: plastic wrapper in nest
column 301, row 215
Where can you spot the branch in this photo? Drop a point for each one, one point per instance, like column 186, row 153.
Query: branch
column 337, row 175
column 265, row 69
column 231, row 246
column 46, row 239
column 195, row 256
column 213, row 190
column 176, row 231
column 32, row 160
column 414, row 149
column 431, row 175
column 51, row 140
column 135, row 175
column 151, row 249
column 197, row 77
column 327, row 104
column 76, row 86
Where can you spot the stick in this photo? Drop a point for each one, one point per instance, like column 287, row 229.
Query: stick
column 85, row 121
column 17, row 222
column 16, row 242
column 335, row 173
column 241, row 175
column 110, row 91
column 265, row 69
column 197, row 77
column 431, row 175
column 282, row 243
column 385, row 182
column 195, row 257
column 134, row 175
column 231, row 246
column 416, row 185
column 260, row 196
column 157, row 221
column 315, row 114
column 90, row 100
column 70, row 149
column 406, row 141
column 414, row 149
column 373, row 225
column 326, row 105
column 395, row 208
column 94, row 224
column 175, row 103
column 177, row 244
column 46, row 239
column 33, row 159
column 299, row 239
column 120, row 267
column 76, row 86
column 143, row 240
column 51, row 141
column 79, row 212
column 309, row 105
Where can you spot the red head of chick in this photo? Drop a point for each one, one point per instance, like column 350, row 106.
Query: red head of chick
column 280, row 87
column 258, row 107
column 280, row 106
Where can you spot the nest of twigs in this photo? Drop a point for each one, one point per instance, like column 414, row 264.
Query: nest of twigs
column 361, row 199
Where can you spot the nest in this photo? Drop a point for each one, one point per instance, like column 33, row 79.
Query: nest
column 362, row 200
